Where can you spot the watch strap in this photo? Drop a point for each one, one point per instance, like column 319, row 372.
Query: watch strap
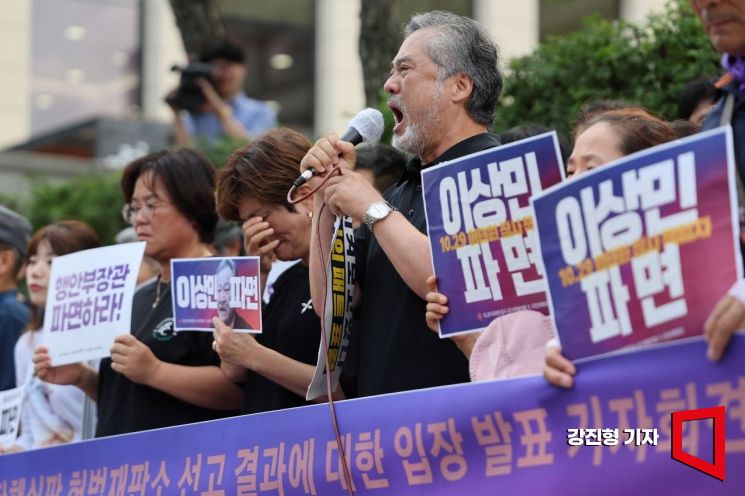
column 371, row 221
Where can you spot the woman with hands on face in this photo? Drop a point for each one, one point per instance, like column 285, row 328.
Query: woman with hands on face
column 277, row 365
column 157, row 377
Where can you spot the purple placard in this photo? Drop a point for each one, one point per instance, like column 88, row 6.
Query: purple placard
column 480, row 230
column 640, row 251
column 223, row 287
column 510, row 437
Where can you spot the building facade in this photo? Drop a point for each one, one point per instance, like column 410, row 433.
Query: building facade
column 69, row 60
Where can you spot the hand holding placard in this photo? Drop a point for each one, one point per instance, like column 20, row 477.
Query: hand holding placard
column 234, row 347
column 135, row 360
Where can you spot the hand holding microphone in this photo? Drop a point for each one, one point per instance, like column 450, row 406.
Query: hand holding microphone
column 367, row 126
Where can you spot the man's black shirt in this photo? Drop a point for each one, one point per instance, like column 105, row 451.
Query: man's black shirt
column 397, row 351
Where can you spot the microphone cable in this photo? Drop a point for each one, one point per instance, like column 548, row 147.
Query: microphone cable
column 366, row 126
column 332, row 407
column 324, row 338
column 299, row 182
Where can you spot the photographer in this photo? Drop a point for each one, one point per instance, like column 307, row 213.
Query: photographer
column 215, row 106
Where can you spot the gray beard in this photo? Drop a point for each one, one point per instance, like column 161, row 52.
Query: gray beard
column 419, row 136
column 416, row 138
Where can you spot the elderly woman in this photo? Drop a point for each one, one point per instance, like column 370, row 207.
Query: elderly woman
column 514, row 344
column 276, row 366
column 157, row 377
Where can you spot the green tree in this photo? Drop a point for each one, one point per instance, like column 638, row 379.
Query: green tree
column 219, row 150
column 199, row 22
column 380, row 36
column 96, row 200
column 388, row 120
column 646, row 64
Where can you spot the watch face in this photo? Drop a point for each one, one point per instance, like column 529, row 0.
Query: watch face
column 379, row 210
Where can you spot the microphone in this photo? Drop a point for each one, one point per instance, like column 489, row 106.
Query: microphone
column 365, row 127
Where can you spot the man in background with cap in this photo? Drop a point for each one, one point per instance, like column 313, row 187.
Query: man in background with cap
column 228, row 112
column 15, row 232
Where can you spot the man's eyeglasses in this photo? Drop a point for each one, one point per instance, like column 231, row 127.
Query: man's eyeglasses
column 130, row 210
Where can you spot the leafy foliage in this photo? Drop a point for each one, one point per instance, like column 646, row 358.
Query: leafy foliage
column 646, row 64
column 219, row 150
column 96, row 200
column 388, row 120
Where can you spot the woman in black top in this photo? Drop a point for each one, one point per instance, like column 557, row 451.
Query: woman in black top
column 276, row 366
column 157, row 377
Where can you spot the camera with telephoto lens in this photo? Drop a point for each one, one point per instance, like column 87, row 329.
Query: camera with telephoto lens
column 188, row 95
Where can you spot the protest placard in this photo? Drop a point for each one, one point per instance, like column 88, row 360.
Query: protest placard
column 224, row 287
column 340, row 279
column 639, row 251
column 89, row 301
column 10, row 415
column 481, row 233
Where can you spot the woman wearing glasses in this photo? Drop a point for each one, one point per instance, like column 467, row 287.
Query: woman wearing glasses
column 155, row 376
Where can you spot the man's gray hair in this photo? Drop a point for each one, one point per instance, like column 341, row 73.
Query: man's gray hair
column 226, row 263
column 463, row 45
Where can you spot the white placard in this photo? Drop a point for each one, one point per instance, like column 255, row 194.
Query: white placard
column 89, row 301
column 10, row 415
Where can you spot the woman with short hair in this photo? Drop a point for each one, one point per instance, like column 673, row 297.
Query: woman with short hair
column 157, row 377
column 276, row 366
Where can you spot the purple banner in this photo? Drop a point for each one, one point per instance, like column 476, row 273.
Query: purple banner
column 513, row 437
column 640, row 251
column 224, row 287
column 481, row 233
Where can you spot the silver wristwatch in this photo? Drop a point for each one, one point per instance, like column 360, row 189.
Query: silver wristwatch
column 376, row 212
